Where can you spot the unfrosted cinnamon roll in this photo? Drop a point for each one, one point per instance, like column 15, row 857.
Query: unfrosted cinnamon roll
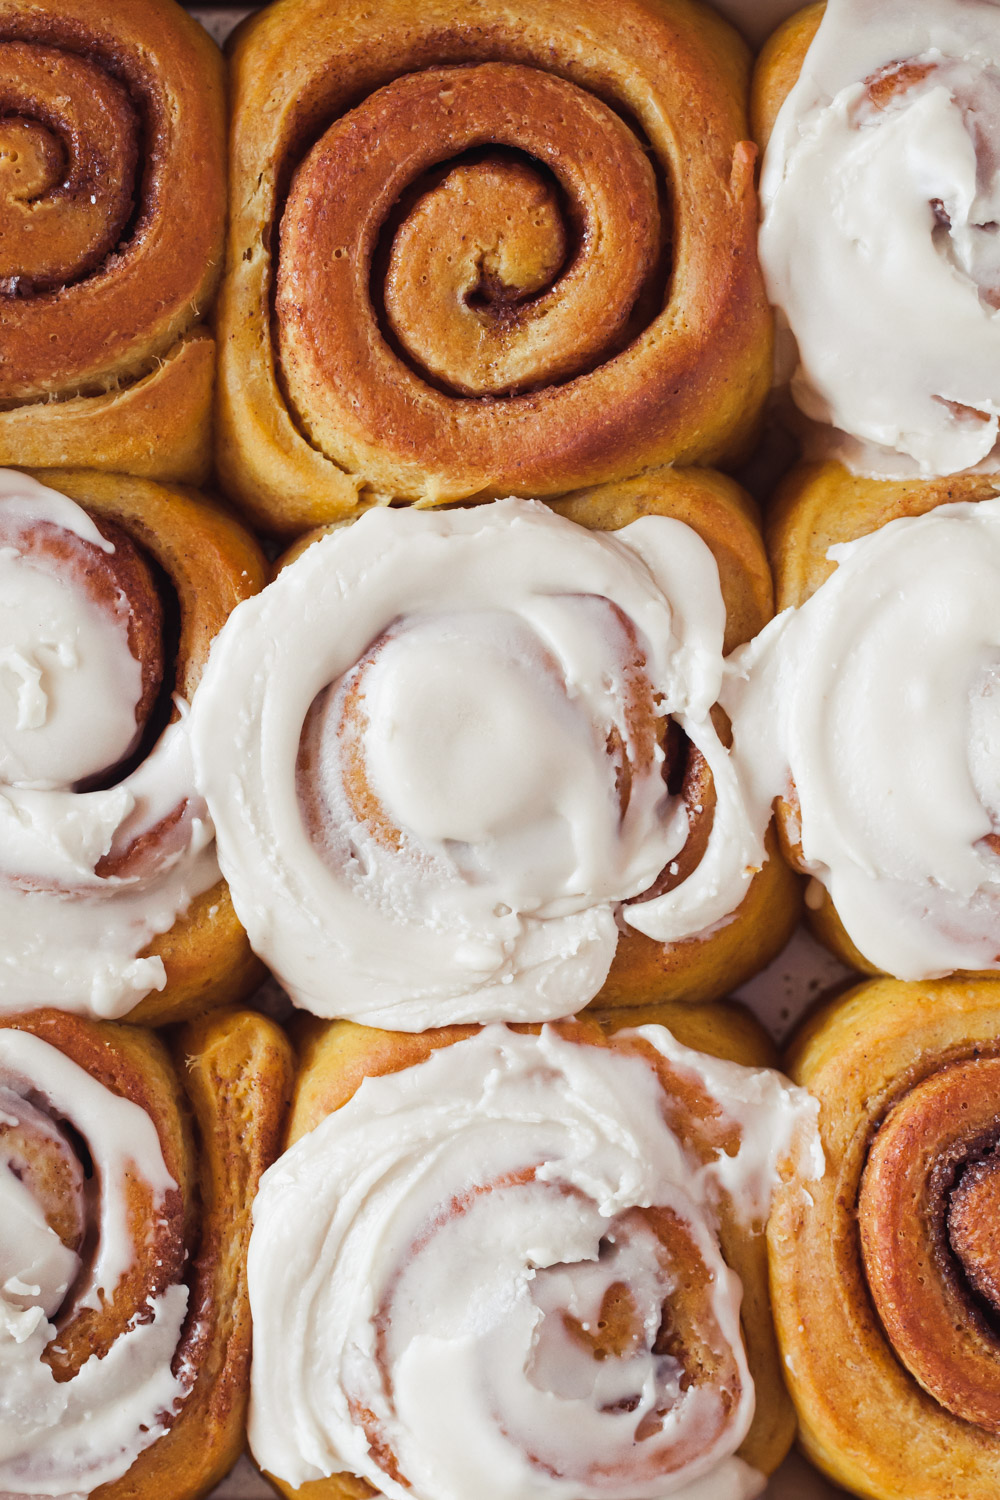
column 476, row 252
column 527, row 1265
column 109, row 886
column 884, row 1275
column 125, row 1185
column 112, row 207
column 881, row 195
column 869, row 709
column 455, row 760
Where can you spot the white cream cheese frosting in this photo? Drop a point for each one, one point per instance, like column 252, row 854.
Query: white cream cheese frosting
column 880, row 194
column 876, row 705
column 65, row 1439
column 475, row 688
column 69, row 685
column 425, row 1267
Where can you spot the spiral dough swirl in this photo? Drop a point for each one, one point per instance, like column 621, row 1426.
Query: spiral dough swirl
column 477, row 253
column 886, row 1280
column 112, row 206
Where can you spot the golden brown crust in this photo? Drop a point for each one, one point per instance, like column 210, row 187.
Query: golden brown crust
column 312, row 424
column 816, row 507
column 237, row 1072
column 219, row 1112
column 870, row 1058
column 778, row 68
column 335, row 1057
column 211, row 564
column 112, row 206
column 819, row 505
column 712, row 964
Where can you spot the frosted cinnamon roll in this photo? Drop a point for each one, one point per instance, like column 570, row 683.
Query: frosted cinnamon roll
column 870, row 711
column 884, row 1276
column 445, row 753
column 478, row 252
column 107, row 608
column 881, row 195
column 518, row 1262
column 112, row 207
column 124, row 1325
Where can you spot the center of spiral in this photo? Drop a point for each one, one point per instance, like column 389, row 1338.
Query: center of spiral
column 454, row 749
column 32, row 160
column 459, row 310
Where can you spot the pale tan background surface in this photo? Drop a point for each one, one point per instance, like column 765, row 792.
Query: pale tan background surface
column 780, row 994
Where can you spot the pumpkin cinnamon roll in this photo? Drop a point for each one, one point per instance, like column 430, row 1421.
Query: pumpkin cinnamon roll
column 476, row 253
column 880, row 192
column 125, row 1184
column 112, row 210
column 456, row 760
column 527, row 1265
column 869, row 710
column 884, row 1276
column 111, row 590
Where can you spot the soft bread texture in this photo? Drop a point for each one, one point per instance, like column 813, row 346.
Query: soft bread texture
column 816, row 507
column 112, row 203
column 778, row 68
column 878, row 1060
column 218, row 1106
column 211, row 563
column 446, row 389
column 335, row 1058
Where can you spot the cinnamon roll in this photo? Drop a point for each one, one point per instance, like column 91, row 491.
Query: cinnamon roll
column 476, row 253
column 884, row 1274
column 869, row 711
column 881, row 194
column 125, row 1183
column 527, row 1265
column 112, row 209
column 111, row 592
column 451, row 757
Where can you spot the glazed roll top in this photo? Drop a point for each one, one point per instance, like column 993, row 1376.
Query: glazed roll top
column 70, row 1421
column 872, row 710
column 100, row 818
column 451, row 761
column 503, row 257
column 112, row 206
column 881, row 192
column 124, row 1330
column 507, row 1263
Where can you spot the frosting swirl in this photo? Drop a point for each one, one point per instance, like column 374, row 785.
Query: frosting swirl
column 112, row 212
column 69, row 1418
column 506, row 1262
column 873, row 709
column 881, row 196
column 442, row 790
column 85, row 827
